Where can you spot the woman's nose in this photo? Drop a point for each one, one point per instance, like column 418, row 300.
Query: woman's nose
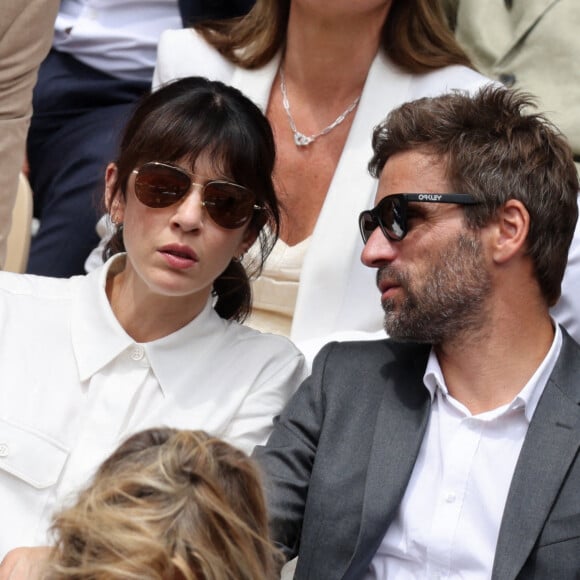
column 189, row 212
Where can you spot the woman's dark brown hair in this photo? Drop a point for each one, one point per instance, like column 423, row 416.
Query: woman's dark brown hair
column 191, row 116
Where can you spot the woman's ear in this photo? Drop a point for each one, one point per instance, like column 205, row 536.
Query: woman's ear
column 249, row 238
column 512, row 225
column 113, row 198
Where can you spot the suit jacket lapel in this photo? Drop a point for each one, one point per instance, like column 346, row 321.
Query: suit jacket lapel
column 550, row 446
column 401, row 422
column 524, row 15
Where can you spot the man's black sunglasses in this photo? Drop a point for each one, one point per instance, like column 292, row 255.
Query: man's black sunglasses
column 390, row 214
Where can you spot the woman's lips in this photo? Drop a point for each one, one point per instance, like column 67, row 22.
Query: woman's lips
column 179, row 256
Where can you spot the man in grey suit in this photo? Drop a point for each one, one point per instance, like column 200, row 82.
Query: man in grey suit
column 449, row 450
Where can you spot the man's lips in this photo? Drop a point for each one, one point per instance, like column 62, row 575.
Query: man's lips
column 387, row 284
column 387, row 289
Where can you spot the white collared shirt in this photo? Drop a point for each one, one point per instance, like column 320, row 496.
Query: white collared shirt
column 73, row 384
column 117, row 37
column 448, row 522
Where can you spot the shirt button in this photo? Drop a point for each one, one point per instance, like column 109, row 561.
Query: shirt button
column 507, row 79
column 137, row 352
column 450, row 497
column 3, row 449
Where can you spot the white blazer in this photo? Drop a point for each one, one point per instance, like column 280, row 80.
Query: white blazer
column 337, row 296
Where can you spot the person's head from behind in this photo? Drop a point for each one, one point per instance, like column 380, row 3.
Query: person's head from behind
column 167, row 504
column 515, row 178
column 192, row 189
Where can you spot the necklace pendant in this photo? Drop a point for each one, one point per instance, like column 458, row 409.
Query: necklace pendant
column 302, row 140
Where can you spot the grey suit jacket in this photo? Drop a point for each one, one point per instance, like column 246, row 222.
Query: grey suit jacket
column 341, row 455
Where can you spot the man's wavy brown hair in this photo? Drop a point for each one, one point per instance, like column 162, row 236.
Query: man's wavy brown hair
column 496, row 148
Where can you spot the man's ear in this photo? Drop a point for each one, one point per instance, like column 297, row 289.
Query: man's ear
column 511, row 228
column 113, row 197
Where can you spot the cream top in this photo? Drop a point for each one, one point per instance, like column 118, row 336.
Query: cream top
column 275, row 291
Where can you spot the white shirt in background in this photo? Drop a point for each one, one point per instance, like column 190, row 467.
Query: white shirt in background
column 118, row 37
column 448, row 521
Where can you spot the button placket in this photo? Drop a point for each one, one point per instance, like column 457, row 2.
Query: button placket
column 137, row 352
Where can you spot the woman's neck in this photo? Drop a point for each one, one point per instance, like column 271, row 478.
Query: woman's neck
column 145, row 315
column 329, row 55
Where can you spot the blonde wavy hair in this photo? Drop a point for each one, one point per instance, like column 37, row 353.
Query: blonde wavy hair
column 168, row 504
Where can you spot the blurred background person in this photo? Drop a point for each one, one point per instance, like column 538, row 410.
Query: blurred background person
column 101, row 62
column 531, row 45
column 167, row 504
column 325, row 72
column 25, row 37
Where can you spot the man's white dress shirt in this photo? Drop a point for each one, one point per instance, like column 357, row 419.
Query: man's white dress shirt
column 73, row 384
column 118, row 37
column 448, row 522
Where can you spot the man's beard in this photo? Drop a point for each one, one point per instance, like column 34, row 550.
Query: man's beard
column 448, row 299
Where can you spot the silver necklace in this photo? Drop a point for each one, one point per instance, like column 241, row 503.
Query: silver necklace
column 301, row 139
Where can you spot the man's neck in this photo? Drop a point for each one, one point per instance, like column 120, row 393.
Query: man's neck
column 489, row 369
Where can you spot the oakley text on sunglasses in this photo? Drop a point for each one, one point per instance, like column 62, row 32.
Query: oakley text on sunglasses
column 160, row 185
column 390, row 214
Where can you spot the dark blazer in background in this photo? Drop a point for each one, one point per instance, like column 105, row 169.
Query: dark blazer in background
column 341, row 455
column 193, row 11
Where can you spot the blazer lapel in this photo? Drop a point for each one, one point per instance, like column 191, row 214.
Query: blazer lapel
column 256, row 84
column 335, row 240
column 550, row 446
column 401, row 422
column 352, row 189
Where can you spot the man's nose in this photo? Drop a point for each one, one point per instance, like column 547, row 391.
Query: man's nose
column 378, row 250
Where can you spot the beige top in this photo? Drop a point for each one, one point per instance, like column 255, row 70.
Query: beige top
column 275, row 291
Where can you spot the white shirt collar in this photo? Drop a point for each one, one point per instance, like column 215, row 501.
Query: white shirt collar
column 530, row 394
column 98, row 338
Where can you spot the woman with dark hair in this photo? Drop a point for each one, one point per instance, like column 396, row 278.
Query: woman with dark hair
column 152, row 336
column 326, row 72
column 167, row 504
